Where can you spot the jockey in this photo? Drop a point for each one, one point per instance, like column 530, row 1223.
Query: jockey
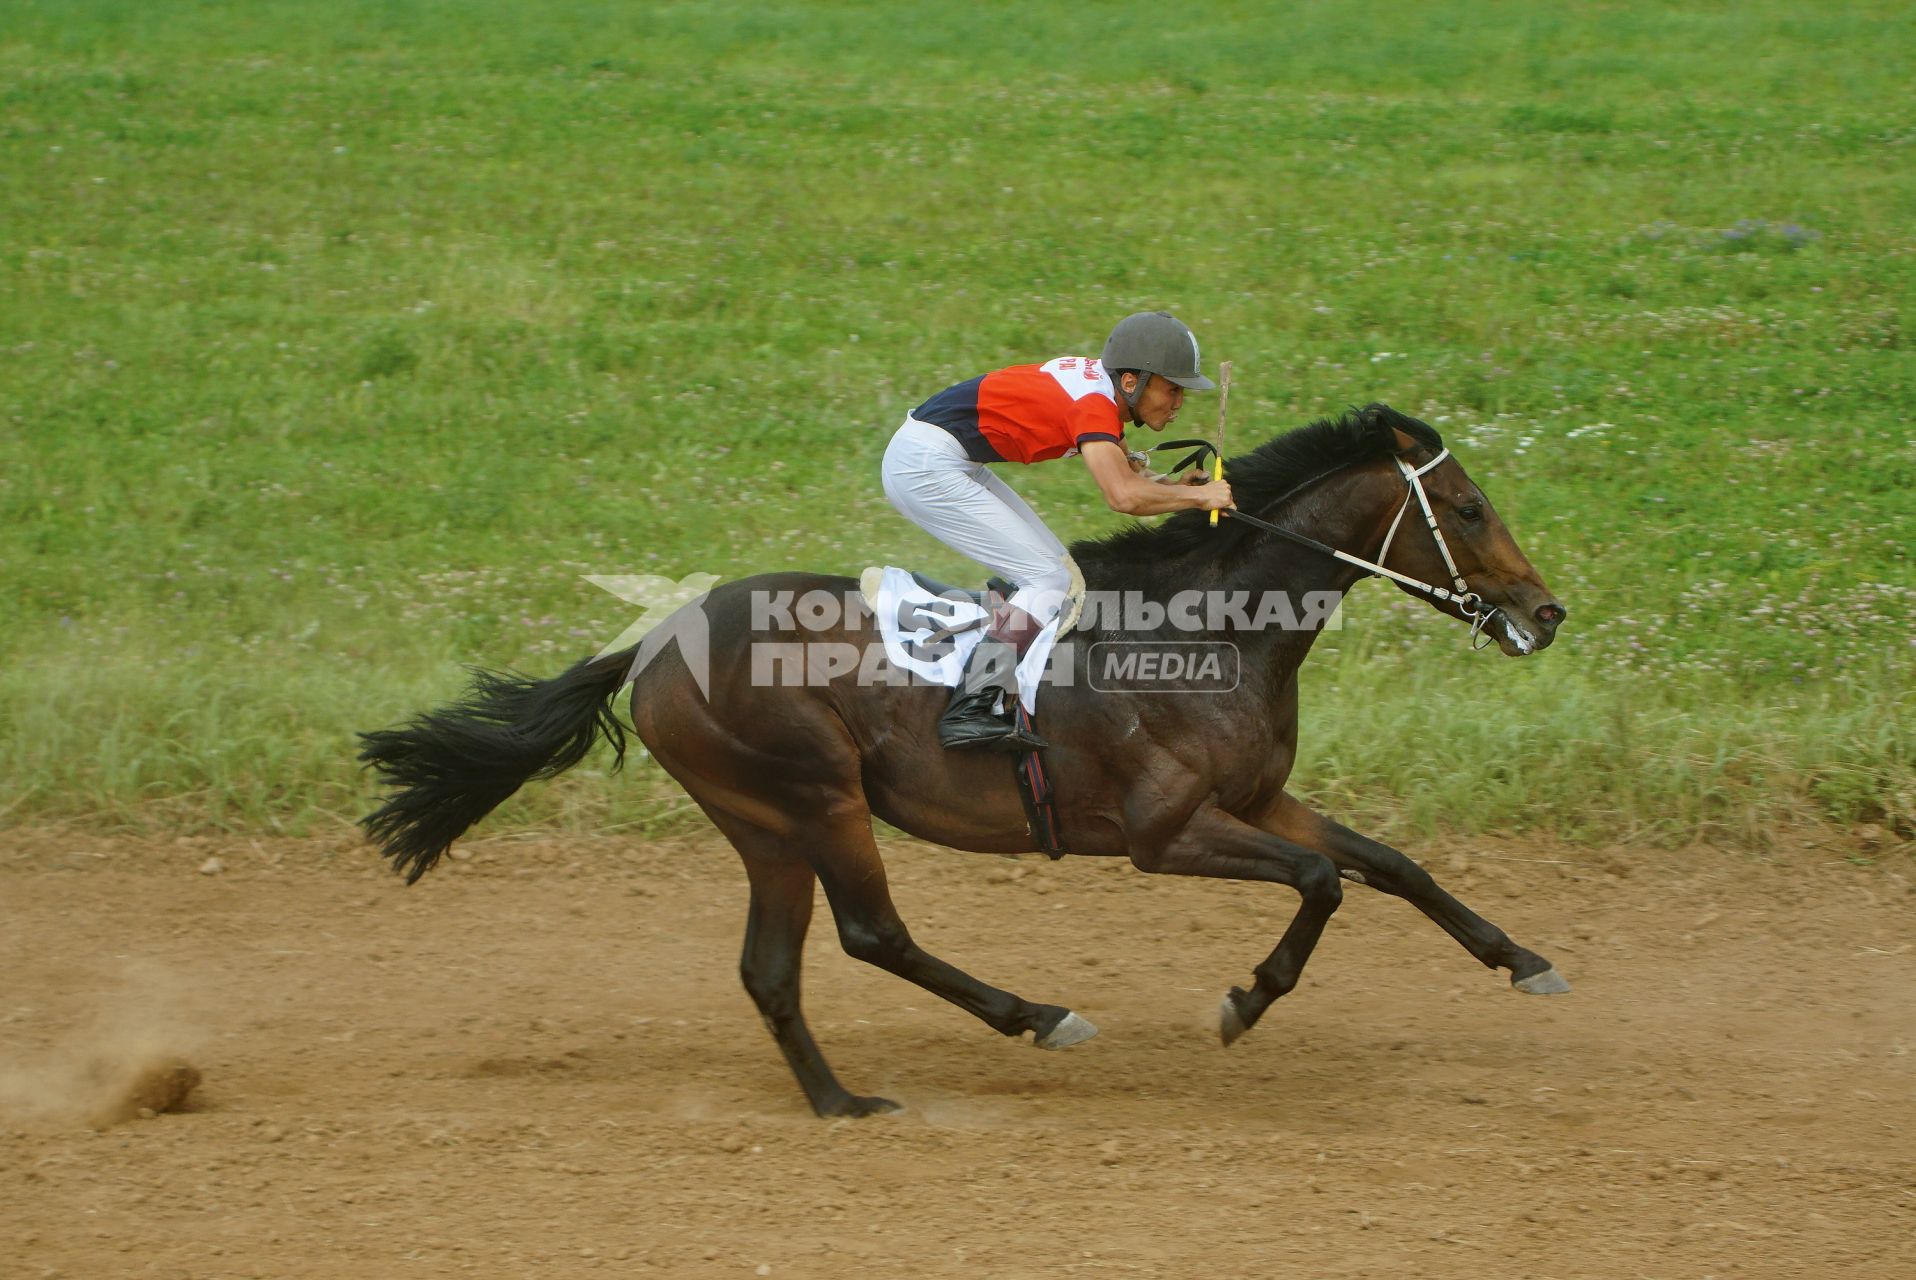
column 935, row 475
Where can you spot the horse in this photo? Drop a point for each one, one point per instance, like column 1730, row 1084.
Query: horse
column 793, row 772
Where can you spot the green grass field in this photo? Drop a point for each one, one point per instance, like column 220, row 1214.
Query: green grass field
column 337, row 342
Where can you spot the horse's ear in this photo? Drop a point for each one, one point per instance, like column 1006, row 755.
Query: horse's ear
column 1405, row 443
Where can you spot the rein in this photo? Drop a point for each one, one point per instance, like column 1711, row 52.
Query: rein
column 1468, row 602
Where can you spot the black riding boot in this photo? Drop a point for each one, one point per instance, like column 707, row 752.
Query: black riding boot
column 991, row 674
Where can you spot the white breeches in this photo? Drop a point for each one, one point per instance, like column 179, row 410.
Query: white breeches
column 960, row 503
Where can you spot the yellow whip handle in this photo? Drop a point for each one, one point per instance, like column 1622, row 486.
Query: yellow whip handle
column 1223, row 399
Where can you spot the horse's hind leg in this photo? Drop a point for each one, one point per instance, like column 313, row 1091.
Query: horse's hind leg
column 846, row 857
column 1383, row 868
column 782, row 882
column 775, row 936
column 781, row 911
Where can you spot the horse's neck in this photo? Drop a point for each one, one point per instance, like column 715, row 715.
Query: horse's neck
column 1347, row 512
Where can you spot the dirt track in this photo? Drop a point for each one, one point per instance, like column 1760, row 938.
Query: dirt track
column 540, row 1062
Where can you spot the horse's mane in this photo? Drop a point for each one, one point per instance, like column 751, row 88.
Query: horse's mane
column 1259, row 479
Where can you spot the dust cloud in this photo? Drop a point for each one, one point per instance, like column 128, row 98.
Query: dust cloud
column 129, row 1056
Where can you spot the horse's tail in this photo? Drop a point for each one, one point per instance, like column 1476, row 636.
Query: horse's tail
column 453, row 766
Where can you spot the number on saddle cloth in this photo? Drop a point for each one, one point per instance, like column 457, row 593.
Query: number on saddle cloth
column 930, row 627
column 949, row 614
column 942, row 617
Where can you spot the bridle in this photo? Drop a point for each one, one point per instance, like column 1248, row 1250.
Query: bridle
column 1468, row 602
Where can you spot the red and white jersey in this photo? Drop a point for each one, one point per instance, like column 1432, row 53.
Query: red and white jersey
column 1029, row 412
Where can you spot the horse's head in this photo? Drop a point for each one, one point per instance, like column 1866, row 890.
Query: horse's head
column 1486, row 557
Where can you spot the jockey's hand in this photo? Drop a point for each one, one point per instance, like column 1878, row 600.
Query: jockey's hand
column 1213, row 495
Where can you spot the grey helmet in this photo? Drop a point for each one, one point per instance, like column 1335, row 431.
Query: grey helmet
column 1155, row 342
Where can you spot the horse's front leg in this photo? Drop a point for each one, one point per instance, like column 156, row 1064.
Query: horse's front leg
column 1383, row 868
column 1212, row 843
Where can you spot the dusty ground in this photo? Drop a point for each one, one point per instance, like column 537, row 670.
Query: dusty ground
column 540, row 1062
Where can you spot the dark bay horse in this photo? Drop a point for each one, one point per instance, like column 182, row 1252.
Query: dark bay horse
column 1181, row 785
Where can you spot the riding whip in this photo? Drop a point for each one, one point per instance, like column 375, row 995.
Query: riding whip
column 1223, row 399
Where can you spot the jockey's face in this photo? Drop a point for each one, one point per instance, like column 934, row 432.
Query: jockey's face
column 1159, row 404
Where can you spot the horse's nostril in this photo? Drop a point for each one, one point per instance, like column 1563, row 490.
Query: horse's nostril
column 1551, row 614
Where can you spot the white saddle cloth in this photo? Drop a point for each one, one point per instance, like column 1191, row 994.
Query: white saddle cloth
column 933, row 635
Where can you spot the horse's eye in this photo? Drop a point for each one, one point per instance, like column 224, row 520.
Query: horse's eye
column 1471, row 511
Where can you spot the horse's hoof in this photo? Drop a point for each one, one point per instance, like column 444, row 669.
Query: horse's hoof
column 1071, row 1029
column 1547, row 983
column 854, row 1106
column 1230, row 1023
